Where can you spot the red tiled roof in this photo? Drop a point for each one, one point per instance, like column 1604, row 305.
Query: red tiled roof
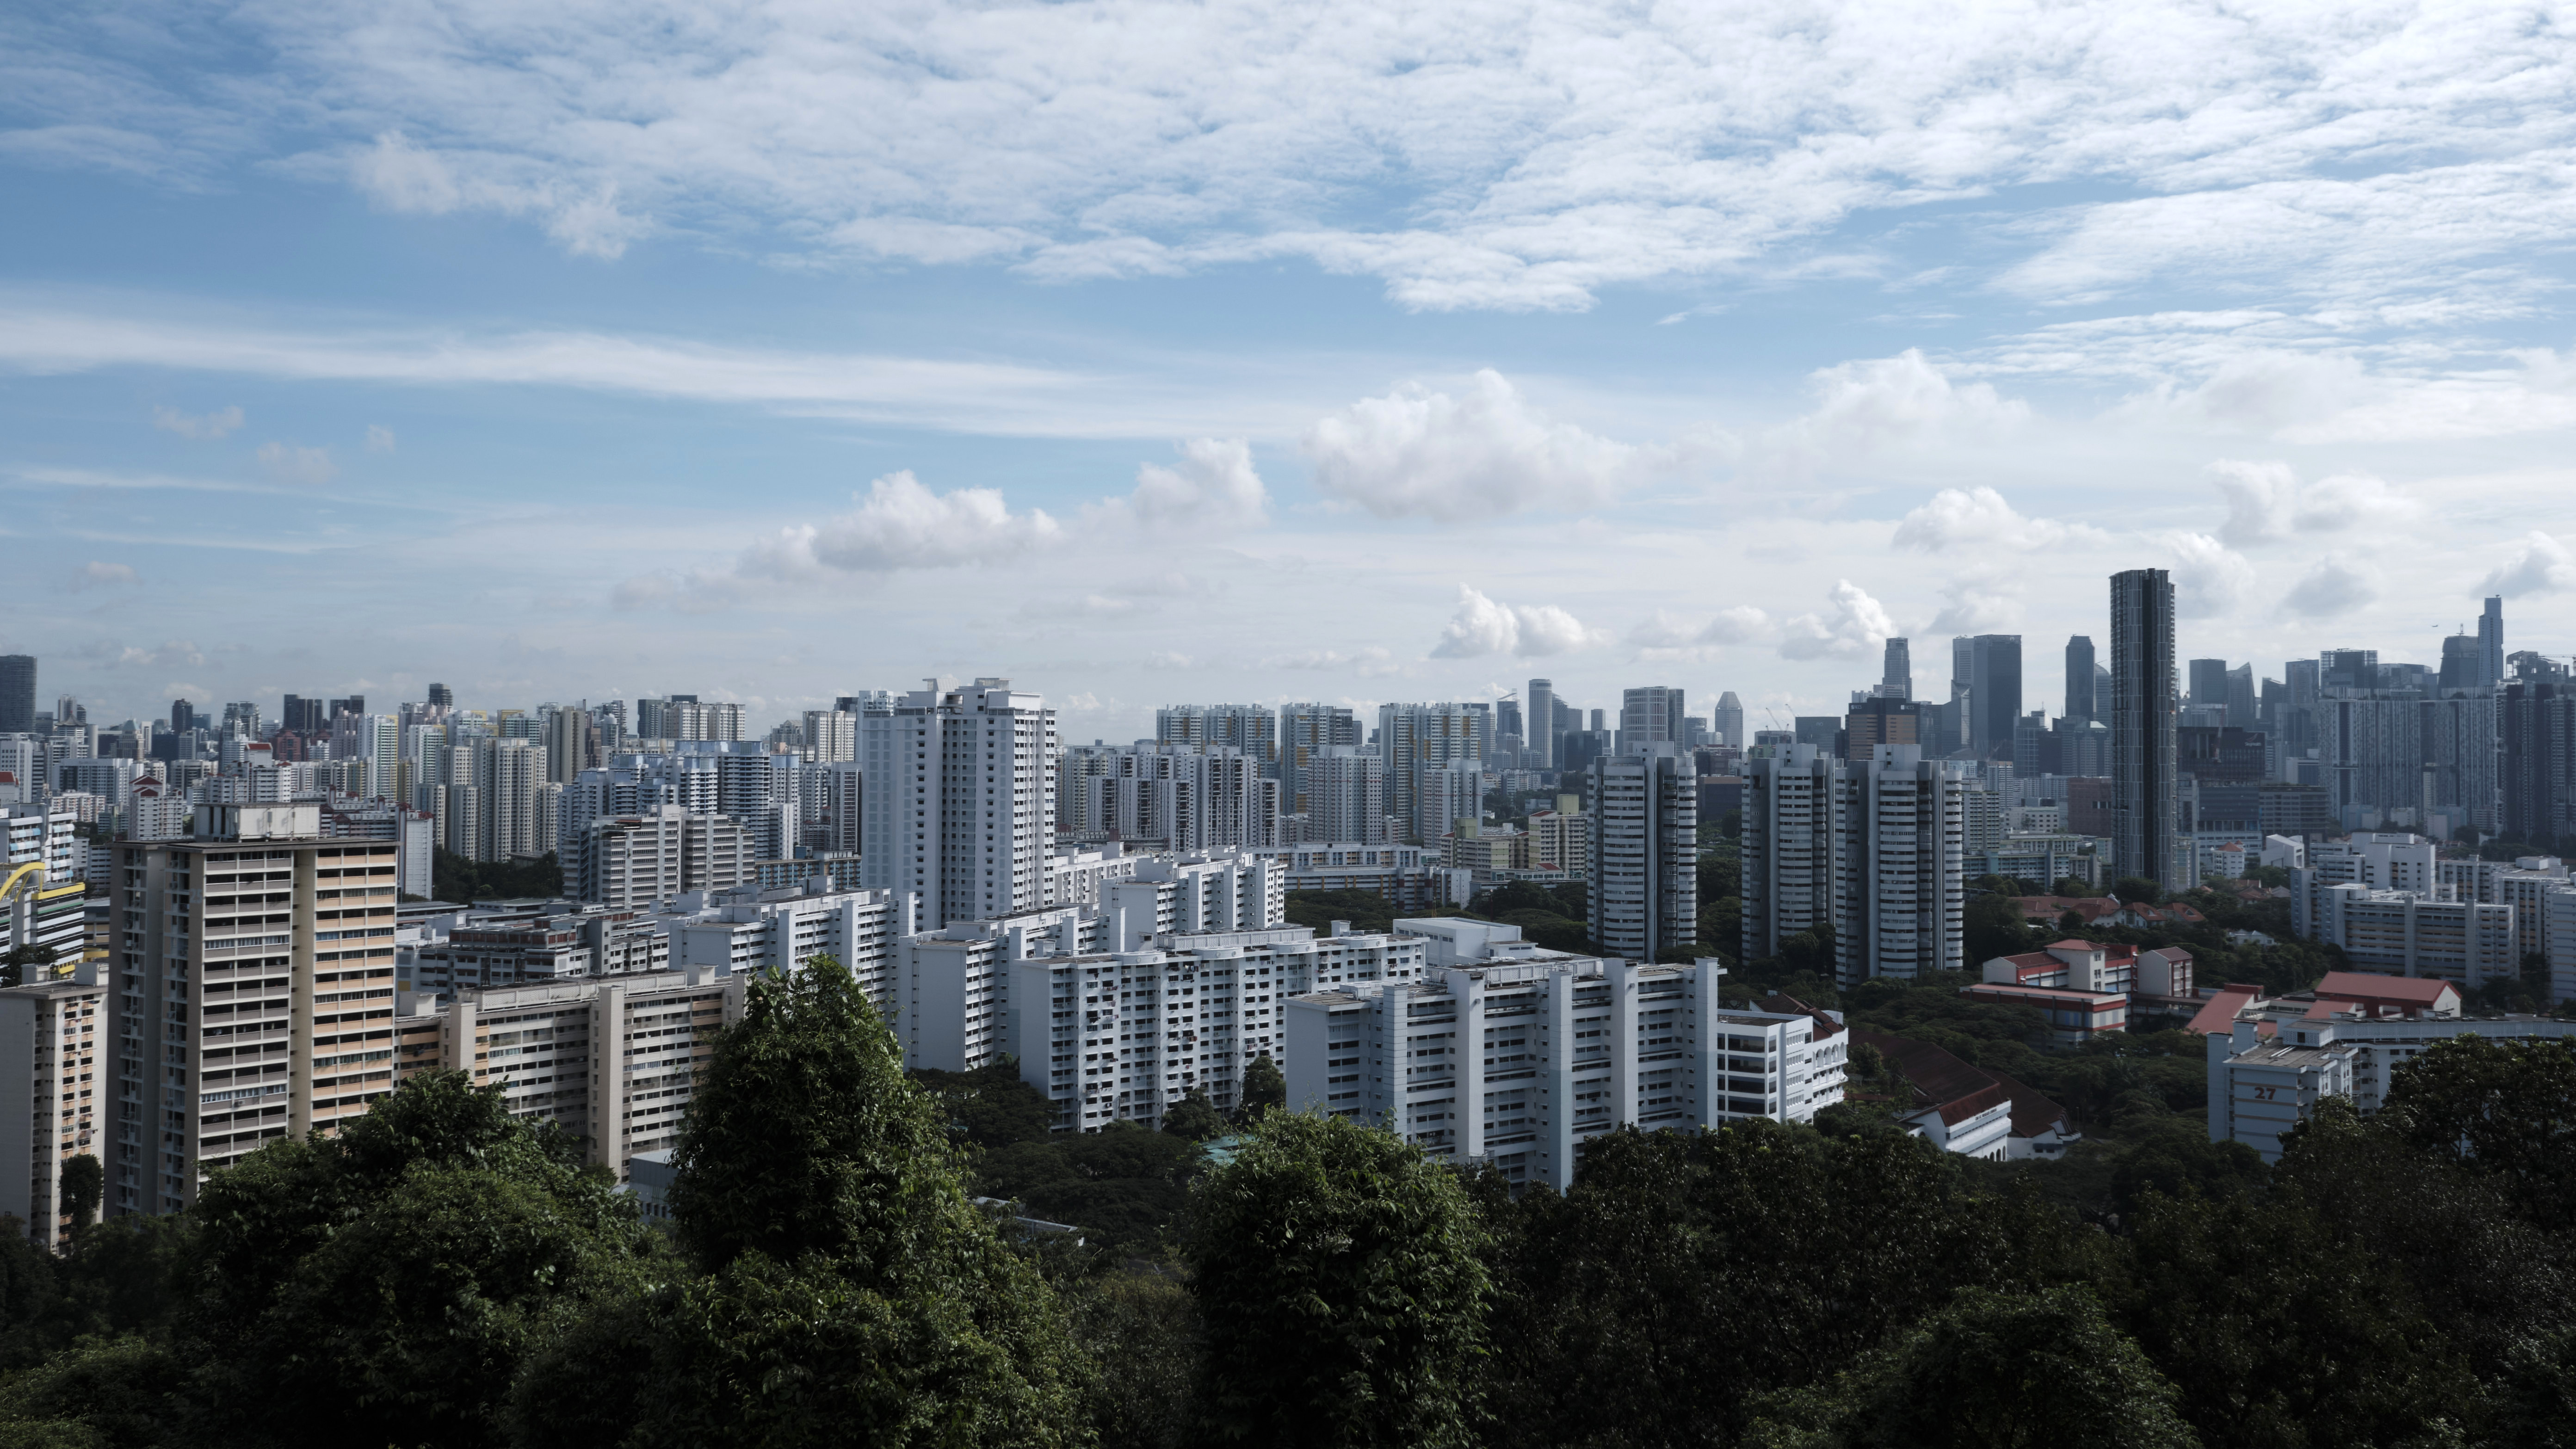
column 1995, row 1094
column 2033, row 958
column 1936, row 1076
column 2091, row 908
column 2044, row 993
column 2220, row 1014
column 2032, row 1113
column 2072, row 944
column 1784, row 1004
column 2423, row 991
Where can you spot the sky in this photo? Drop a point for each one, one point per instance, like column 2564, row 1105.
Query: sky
column 1150, row 353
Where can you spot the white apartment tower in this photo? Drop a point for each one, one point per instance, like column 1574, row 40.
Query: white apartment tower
column 1644, row 852
column 960, row 803
column 1788, row 850
column 1346, row 795
column 1899, row 898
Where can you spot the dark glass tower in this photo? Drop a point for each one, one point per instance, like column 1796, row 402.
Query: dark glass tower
column 2079, row 677
column 2146, row 802
column 17, row 693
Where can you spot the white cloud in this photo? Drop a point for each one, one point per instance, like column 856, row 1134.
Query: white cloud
column 1983, row 602
column 1856, row 627
column 171, row 654
column 98, row 575
column 1487, row 626
column 2330, row 589
column 2209, row 578
column 308, row 467
column 2542, row 565
column 402, row 177
column 1664, row 630
column 1367, row 662
column 1214, row 487
column 1979, row 518
column 208, row 426
column 900, row 524
column 380, row 439
column 2266, row 504
column 1425, row 454
column 1866, row 407
column 1169, row 659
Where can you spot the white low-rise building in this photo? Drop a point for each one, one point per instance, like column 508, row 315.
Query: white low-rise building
column 1521, row 1064
column 2407, row 933
column 748, row 929
column 2274, row 1060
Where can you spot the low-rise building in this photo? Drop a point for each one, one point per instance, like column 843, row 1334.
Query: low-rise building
column 2409, row 933
column 2272, row 1059
column 1521, row 1064
column 1971, row 1110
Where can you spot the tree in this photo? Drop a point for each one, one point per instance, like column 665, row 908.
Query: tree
column 2042, row 1370
column 84, row 1187
column 1263, row 1088
column 32, row 961
column 1336, row 1270
column 2138, row 890
column 384, row 1285
column 846, row 1290
column 1991, row 926
column 1194, row 1118
column 991, row 1106
column 2506, row 1108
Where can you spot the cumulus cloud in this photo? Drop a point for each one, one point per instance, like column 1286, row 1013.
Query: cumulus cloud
column 1978, row 604
column 2209, row 578
column 1864, row 407
column 170, row 654
column 2331, row 588
column 1488, row 626
column 2267, row 504
column 307, row 467
column 900, row 524
column 1416, row 453
column 1664, row 630
column 1979, row 518
column 1214, row 486
column 1855, row 627
column 380, row 439
column 2540, row 565
column 206, row 426
column 98, row 575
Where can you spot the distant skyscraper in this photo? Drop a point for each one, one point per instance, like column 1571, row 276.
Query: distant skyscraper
column 2079, row 677
column 2102, row 694
column 442, row 696
column 2537, row 723
column 1897, row 678
column 2240, row 697
column 1994, row 679
column 1540, row 726
column 304, row 715
column 2463, row 662
column 1728, row 724
column 354, row 704
column 1306, row 730
column 2206, row 684
column 17, row 693
column 2491, row 642
column 1651, row 716
column 183, row 716
column 2146, row 797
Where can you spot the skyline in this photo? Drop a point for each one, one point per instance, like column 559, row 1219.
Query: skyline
column 535, row 354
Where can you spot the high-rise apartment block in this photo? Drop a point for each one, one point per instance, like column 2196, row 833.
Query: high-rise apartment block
column 56, row 1097
column 960, row 800
column 1787, row 870
column 2147, row 794
column 1346, row 795
column 253, row 968
column 1644, row 852
column 1306, row 730
column 1900, row 836
column 1251, row 730
column 1522, row 1064
column 2538, row 753
column 1420, row 738
column 1651, row 716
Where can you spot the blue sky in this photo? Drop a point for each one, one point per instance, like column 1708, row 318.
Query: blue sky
column 1152, row 353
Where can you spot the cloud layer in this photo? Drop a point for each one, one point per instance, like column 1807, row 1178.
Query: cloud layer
column 1417, row 453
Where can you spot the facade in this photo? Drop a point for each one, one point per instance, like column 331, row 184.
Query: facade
column 1900, row 842
column 1643, row 857
column 1345, row 795
column 1175, row 797
column 1561, row 840
column 1411, row 877
column 1520, row 1065
column 614, row 1060
column 2538, row 764
column 17, row 693
column 1306, row 730
column 1412, row 737
column 53, row 1093
column 2145, row 786
column 2406, row 933
column 1538, row 729
column 1650, row 716
column 1251, row 730
column 254, row 973
column 961, row 806
column 1788, row 845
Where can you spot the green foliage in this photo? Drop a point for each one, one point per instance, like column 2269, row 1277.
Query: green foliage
column 989, row 1107
column 1264, row 1087
column 32, row 961
column 383, row 1285
column 2137, row 890
column 846, row 1290
column 1123, row 1185
column 84, row 1187
column 1685, row 1272
column 1336, row 1272
column 2504, row 1108
column 1365, row 910
column 455, row 878
column 99, row 1394
column 1142, row 1335
column 1991, row 926
column 1194, row 1118
column 2042, row 1370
